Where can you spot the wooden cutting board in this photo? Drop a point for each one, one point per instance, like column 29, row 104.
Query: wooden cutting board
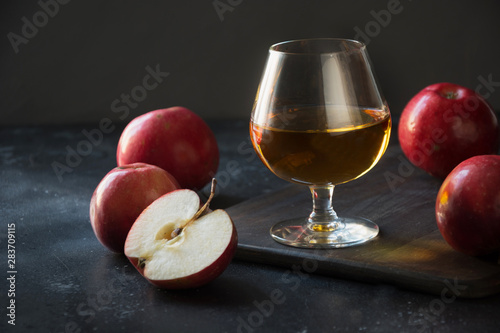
column 408, row 252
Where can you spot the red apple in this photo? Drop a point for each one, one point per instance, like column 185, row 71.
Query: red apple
column 175, row 244
column 120, row 198
column 445, row 124
column 468, row 206
column 175, row 139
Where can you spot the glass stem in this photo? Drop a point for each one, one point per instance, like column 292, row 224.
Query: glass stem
column 323, row 217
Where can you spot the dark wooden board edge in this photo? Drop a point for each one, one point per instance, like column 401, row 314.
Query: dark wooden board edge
column 283, row 256
column 373, row 274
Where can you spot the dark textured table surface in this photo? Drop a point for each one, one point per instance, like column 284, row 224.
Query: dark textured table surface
column 64, row 280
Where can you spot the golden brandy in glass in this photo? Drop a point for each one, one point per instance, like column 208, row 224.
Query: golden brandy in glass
column 319, row 119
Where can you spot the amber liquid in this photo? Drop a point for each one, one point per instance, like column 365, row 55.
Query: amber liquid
column 288, row 146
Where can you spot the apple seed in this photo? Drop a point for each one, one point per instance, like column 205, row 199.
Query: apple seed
column 176, row 232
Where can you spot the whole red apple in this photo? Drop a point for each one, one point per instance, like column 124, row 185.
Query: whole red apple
column 120, row 198
column 175, row 139
column 468, row 206
column 445, row 124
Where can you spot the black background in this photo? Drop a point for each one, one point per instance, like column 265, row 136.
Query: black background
column 90, row 52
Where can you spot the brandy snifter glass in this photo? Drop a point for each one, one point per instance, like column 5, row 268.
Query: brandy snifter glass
column 320, row 119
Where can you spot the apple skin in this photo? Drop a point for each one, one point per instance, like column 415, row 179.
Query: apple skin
column 445, row 124
column 468, row 206
column 175, row 139
column 201, row 278
column 120, row 198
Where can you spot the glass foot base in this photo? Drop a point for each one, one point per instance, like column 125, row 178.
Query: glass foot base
column 351, row 231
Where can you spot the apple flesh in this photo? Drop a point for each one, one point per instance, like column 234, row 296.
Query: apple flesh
column 175, row 139
column 445, row 124
column 120, row 198
column 176, row 245
column 468, row 206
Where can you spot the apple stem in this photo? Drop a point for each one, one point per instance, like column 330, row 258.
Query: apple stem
column 451, row 95
column 178, row 230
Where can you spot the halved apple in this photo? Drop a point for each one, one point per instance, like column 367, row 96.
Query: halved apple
column 175, row 244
